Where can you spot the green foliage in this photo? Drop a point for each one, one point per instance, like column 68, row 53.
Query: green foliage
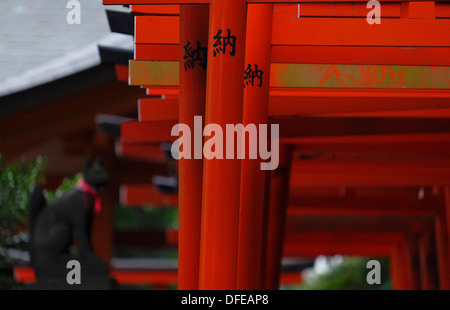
column 350, row 274
column 66, row 185
column 17, row 181
column 151, row 218
column 145, row 219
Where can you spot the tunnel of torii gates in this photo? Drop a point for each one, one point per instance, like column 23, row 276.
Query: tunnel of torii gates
column 363, row 112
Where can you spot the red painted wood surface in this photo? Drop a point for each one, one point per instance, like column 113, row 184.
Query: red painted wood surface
column 156, row 109
column 276, row 217
column 224, row 105
column 121, row 72
column 320, row 31
column 364, row 55
column 137, row 151
column 350, row 31
column 193, row 29
column 141, row 195
column 329, row 102
column 250, row 266
column 314, row 243
column 302, row 127
column 156, row 9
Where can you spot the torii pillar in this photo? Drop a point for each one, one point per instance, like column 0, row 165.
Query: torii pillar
column 193, row 37
column 442, row 231
column 250, row 272
column 428, row 268
column 276, row 218
column 221, row 177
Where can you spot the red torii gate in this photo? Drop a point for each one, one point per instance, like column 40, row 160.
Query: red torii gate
column 231, row 224
column 374, row 237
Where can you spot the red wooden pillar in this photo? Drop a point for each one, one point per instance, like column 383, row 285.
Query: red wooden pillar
column 221, row 182
column 402, row 269
column 442, row 242
column 414, row 261
column 193, row 28
column 396, row 274
column 256, row 103
column 102, row 228
column 279, row 196
column 442, row 254
column 427, row 262
column 399, row 271
column 266, row 206
column 446, row 215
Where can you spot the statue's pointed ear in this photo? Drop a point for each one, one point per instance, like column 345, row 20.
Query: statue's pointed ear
column 88, row 163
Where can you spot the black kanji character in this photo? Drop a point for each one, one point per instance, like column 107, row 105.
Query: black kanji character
column 189, row 61
column 201, row 55
column 250, row 75
column 218, row 44
column 198, row 55
column 222, row 42
column 229, row 40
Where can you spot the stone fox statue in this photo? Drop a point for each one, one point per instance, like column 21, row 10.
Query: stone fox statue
column 54, row 224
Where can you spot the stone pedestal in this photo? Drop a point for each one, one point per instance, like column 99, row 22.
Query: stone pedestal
column 52, row 274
